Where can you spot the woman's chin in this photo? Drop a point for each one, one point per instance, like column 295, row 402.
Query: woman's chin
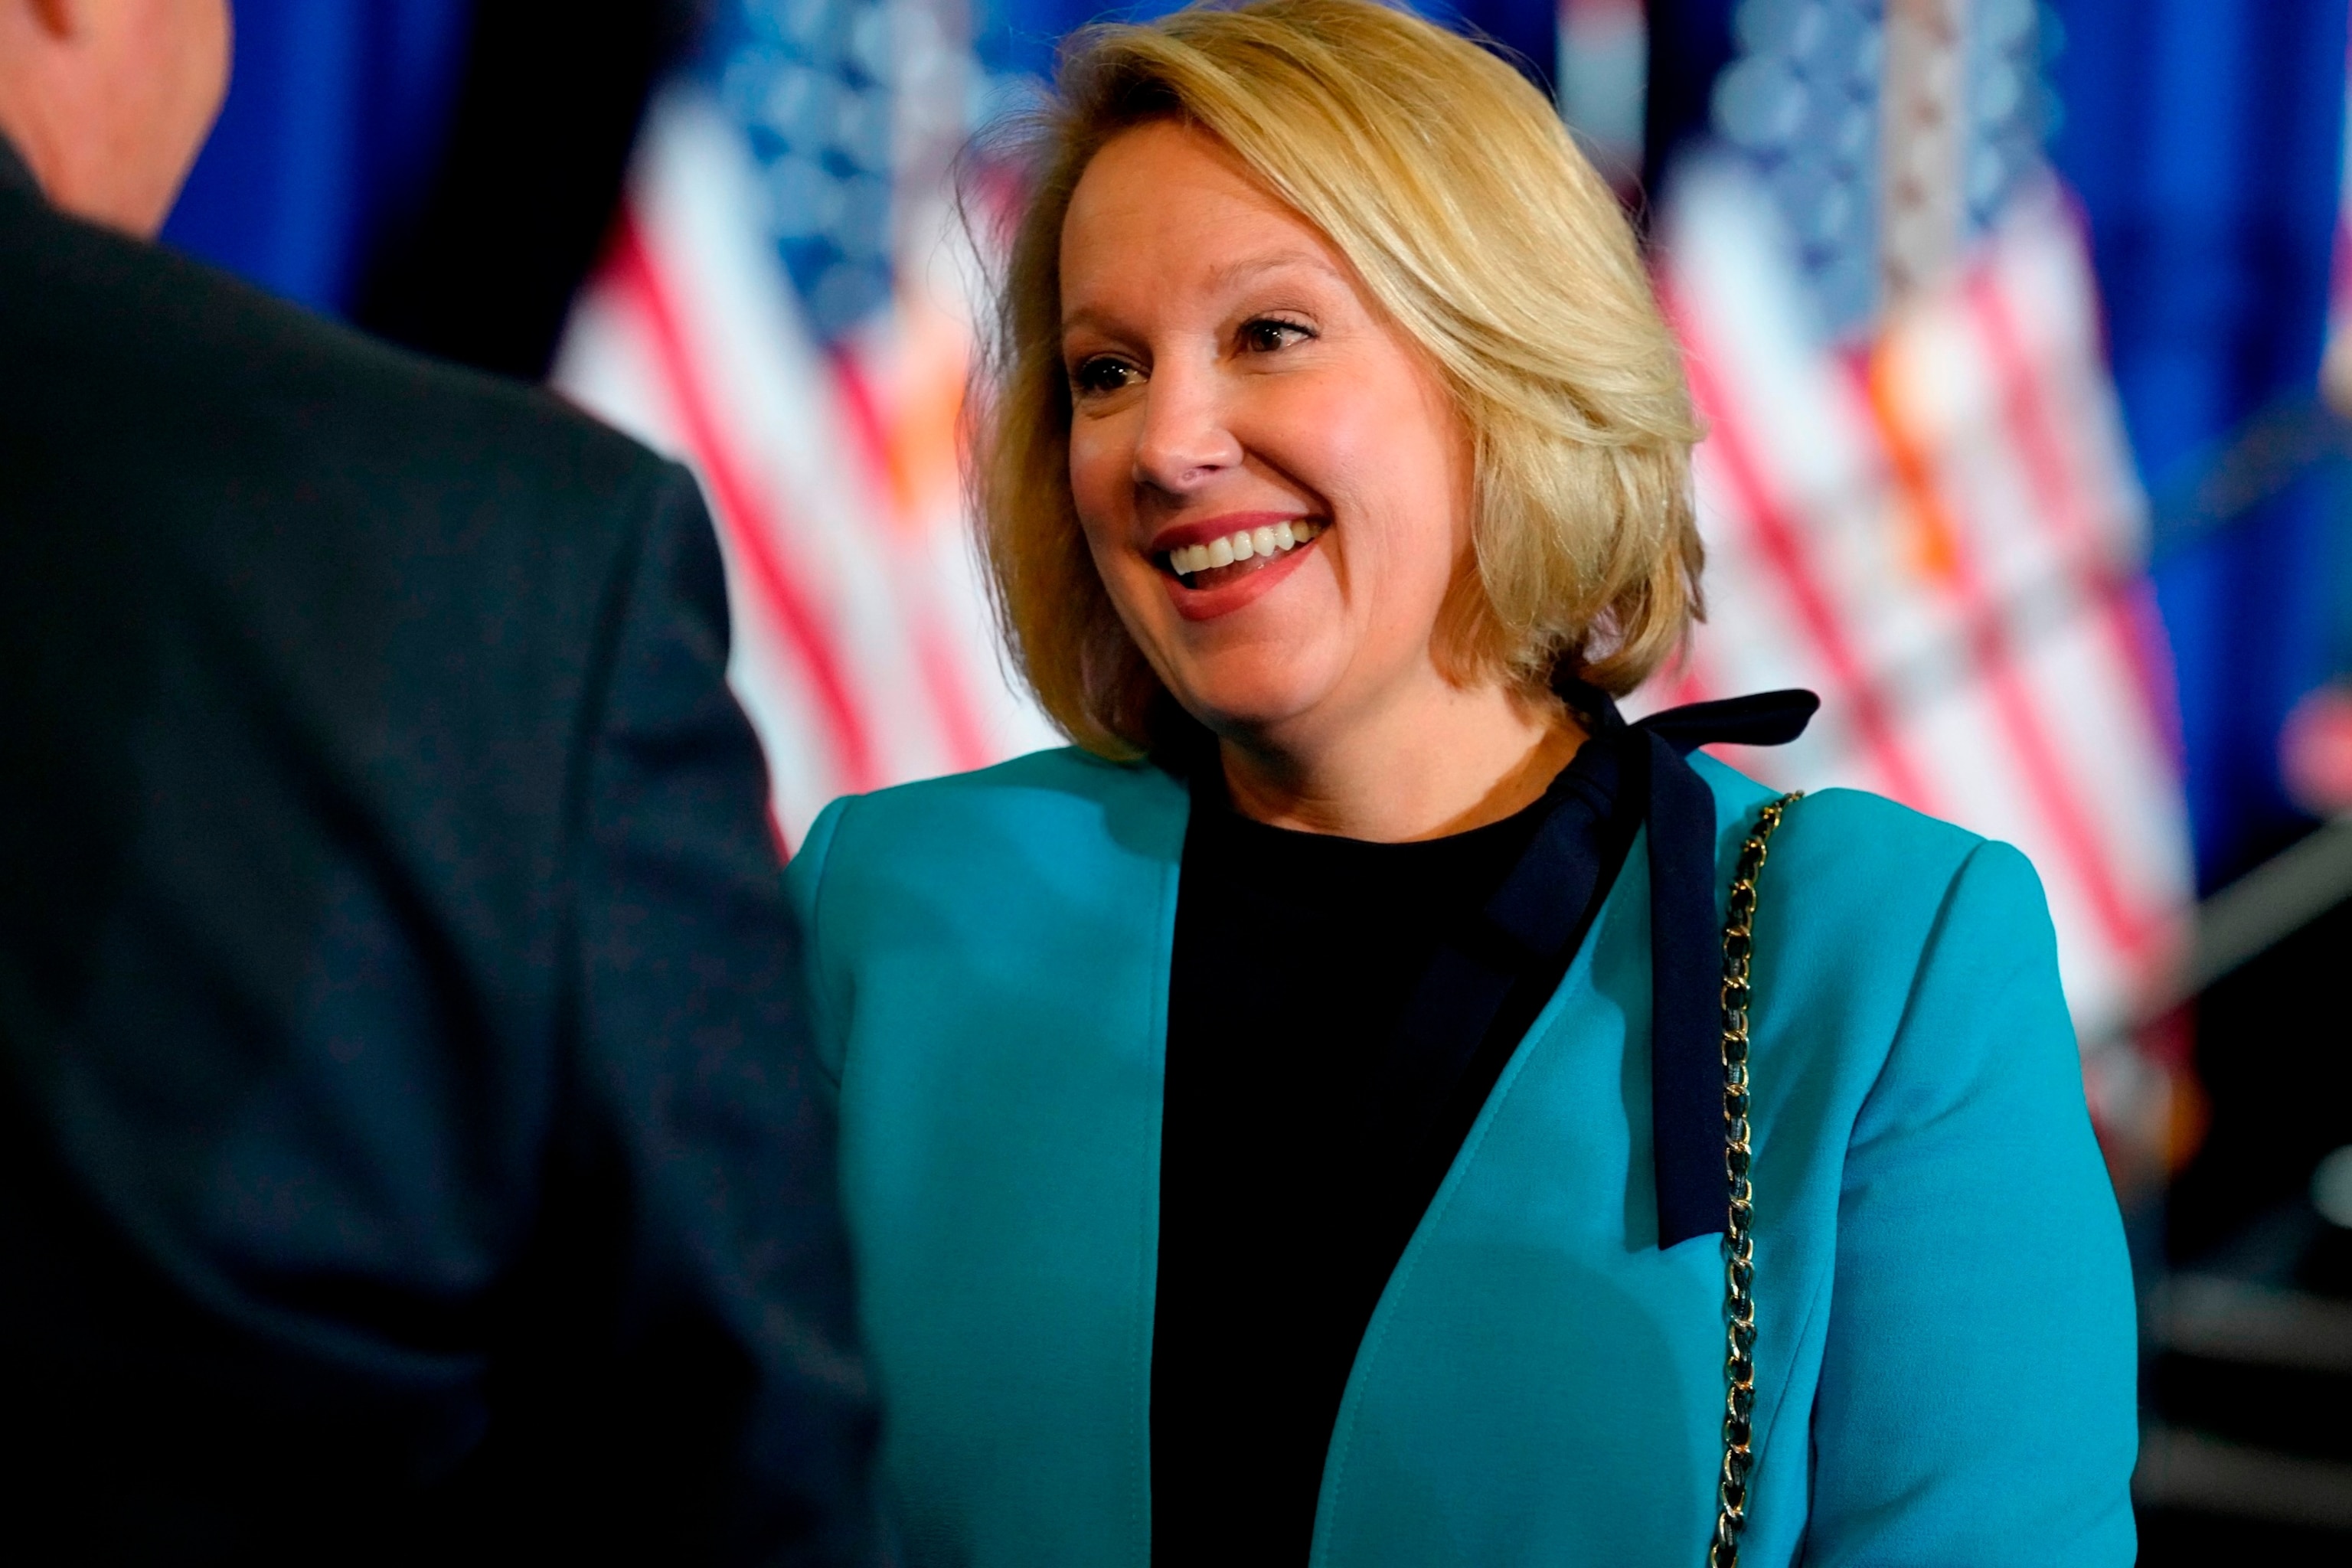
column 1240, row 704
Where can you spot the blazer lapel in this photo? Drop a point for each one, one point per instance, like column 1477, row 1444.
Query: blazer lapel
column 1542, row 1381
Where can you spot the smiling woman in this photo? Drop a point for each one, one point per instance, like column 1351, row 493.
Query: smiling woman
column 1370, row 206
column 1297, row 1122
column 1229, row 376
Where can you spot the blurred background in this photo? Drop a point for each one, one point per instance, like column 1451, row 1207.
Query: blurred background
column 2024, row 335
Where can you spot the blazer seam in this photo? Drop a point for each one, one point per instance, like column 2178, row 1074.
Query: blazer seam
column 1771, row 1427
column 1936, row 926
column 1903, row 1019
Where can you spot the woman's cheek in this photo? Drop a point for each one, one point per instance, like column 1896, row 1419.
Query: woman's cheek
column 1102, row 454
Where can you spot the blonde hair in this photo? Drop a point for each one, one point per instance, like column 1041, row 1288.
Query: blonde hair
column 1458, row 197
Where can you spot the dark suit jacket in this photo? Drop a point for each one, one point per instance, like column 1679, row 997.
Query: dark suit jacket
column 407, row 1142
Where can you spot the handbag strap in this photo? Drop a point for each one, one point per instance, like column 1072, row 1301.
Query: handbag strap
column 1738, row 1246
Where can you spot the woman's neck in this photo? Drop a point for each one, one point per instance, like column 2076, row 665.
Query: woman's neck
column 1474, row 757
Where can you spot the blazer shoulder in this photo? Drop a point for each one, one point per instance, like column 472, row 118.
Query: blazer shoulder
column 1056, row 771
column 1871, row 842
column 1045, row 824
column 1882, row 836
column 1874, row 890
column 1879, row 843
column 1865, row 883
column 1053, row 793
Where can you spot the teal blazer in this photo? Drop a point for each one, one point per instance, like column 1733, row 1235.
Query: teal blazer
column 1945, row 1349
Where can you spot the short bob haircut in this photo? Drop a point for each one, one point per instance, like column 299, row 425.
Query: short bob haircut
column 1472, row 220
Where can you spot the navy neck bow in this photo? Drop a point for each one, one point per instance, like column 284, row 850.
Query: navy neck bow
column 1547, row 898
column 1686, row 930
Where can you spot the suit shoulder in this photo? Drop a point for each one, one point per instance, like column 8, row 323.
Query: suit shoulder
column 471, row 415
column 445, row 420
column 189, row 351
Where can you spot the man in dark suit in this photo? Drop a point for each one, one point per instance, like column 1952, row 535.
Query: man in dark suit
column 407, row 1147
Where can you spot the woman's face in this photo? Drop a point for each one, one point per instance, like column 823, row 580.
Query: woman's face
column 1230, row 382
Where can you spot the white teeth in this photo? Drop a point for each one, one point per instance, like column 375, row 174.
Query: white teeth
column 1242, row 544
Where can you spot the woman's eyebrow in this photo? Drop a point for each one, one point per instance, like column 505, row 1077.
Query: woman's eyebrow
column 1219, row 276
column 1243, row 270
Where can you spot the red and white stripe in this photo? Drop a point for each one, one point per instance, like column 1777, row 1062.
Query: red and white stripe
column 1940, row 532
column 863, row 651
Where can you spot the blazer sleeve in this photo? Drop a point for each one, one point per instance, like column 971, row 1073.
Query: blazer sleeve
column 1977, row 1397
column 731, row 1387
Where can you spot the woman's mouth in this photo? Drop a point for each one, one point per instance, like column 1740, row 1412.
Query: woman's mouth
column 1233, row 556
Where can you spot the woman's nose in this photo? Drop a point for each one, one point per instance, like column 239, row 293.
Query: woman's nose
column 1186, row 437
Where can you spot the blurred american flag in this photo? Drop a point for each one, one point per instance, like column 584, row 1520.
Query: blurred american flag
column 1915, row 491
column 787, row 308
column 1940, row 530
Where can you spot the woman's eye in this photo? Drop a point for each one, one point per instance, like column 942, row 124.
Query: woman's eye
column 1101, row 374
column 1265, row 335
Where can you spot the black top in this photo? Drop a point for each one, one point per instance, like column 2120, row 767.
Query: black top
column 1306, row 1130
column 408, row 1143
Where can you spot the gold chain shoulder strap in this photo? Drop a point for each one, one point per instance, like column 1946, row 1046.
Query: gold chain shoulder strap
column 1738, row 1249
